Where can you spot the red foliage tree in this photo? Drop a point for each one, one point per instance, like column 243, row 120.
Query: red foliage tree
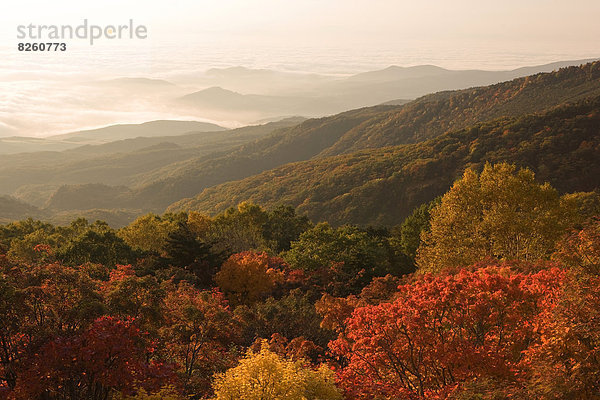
column 442, row 331
column 128, row 295
column 37, row 304
column 112, row 355
column 197, row 333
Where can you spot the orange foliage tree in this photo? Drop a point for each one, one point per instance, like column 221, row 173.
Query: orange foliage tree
column 247, row 277
column 565, row 362
column 581, row 249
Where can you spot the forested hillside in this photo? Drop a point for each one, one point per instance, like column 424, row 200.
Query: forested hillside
column 375, row 127
column 34, row 177
column 12, row 209
column 382, row 186
column 434, row 114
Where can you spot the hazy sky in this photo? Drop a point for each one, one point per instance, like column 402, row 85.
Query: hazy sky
column 49, row 92
column 537, row 24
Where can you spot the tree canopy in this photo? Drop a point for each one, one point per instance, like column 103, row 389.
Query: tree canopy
column 502, row 213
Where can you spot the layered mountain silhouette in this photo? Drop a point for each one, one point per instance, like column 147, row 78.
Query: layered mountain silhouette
column 251, row 94
column 378, row 127
column 16, row 144
column 35, row 176
column 367, row 166
column 147, row 129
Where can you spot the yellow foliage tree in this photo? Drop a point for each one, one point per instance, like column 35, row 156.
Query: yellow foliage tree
column 148, row 233
column 501, row 213
column 199, row 224
column 267, row 376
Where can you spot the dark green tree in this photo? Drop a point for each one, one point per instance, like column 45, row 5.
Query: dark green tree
column 184, row 251
column 406, row 237
column 99, row 247
column 342, row 260
column 284, row 226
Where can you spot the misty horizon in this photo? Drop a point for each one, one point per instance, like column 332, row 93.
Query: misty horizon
column 309, row 42
column 106, row 100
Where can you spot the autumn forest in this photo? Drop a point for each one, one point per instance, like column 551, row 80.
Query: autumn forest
column 446, row 248
column 490, row 291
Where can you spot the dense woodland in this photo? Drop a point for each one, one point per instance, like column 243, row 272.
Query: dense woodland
column 561, row 145
column 447, row 248
column 491, row 291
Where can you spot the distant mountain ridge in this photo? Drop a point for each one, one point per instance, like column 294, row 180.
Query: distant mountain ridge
column 34, row 177
column 328, row 163
column 434, row 114
column 359, row 130
column 146, row 129
column 111, row 133
column 255, row 94
column 395, row 72
column 12, row 209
